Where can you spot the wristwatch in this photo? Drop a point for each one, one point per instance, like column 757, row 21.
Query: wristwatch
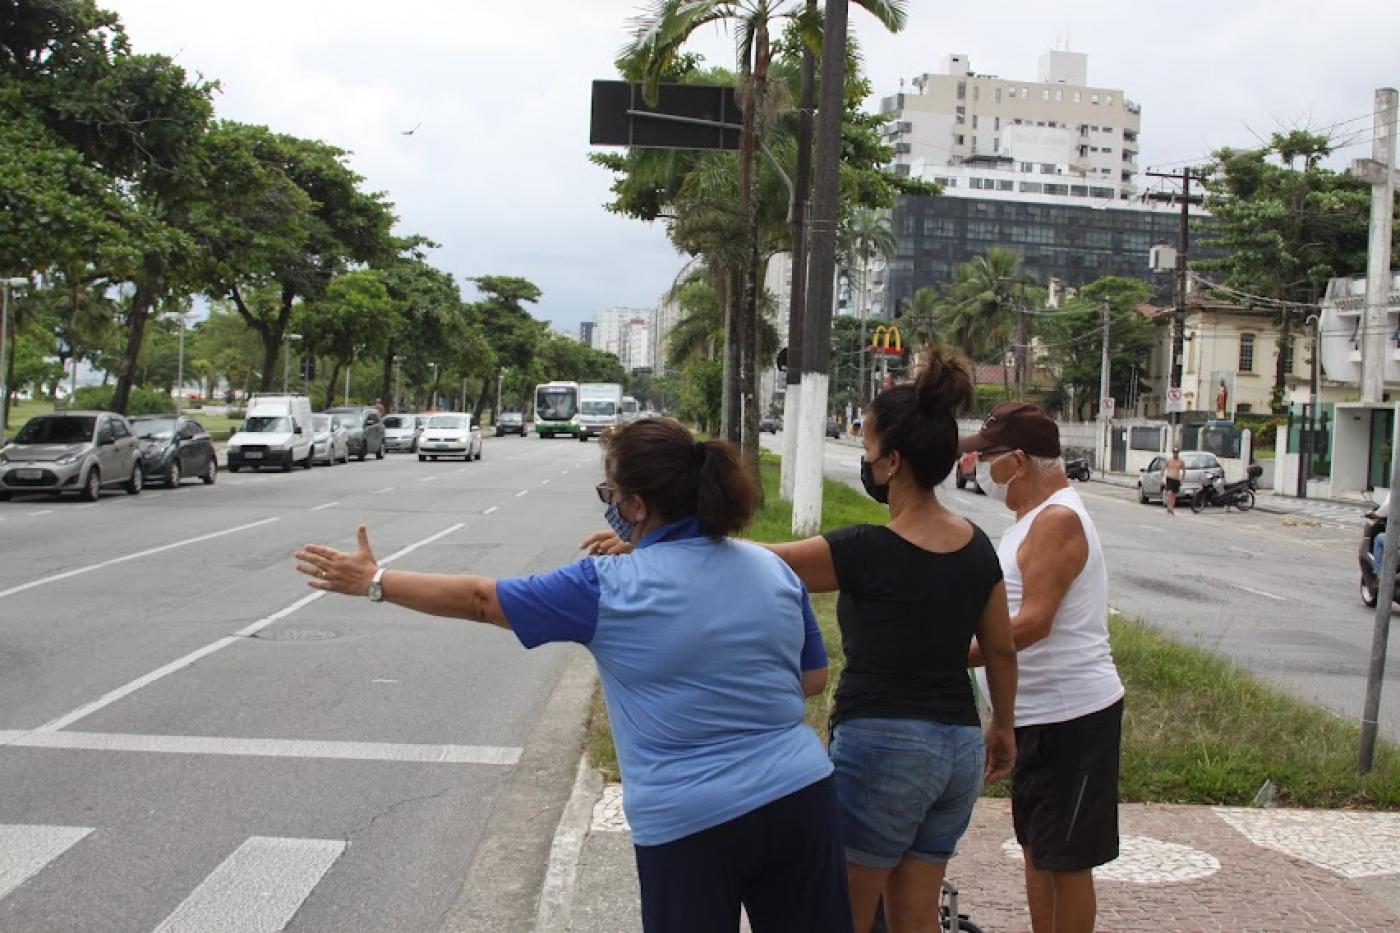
column 376, row 587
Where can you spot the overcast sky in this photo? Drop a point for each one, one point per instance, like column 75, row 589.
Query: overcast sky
column 497, row 173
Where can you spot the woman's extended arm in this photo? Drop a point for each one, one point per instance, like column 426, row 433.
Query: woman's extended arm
column 810, row 558
column 453, row 596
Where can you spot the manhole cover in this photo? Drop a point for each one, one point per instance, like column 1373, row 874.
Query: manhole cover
column 296, row 634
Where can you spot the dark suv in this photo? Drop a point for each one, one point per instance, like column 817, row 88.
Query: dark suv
column 365, row 427
column 510, row 422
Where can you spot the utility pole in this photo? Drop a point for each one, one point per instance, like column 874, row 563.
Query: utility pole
column 1105, row 415
column 1183, row 247
column 797, row 310
column 816, row 344
column 1380, row 172
column 180, row 364
column 1023, row 336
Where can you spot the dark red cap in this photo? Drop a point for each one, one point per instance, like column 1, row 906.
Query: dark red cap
column 1016, row 426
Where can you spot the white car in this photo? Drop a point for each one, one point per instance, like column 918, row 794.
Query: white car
column 450, row 436
column 332, row 441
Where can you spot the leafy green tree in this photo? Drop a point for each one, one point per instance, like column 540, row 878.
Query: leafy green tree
column 512, row 334
column 1073, row 343
column 1285, row 224
column 918, row 319
column 983, row 302
column 353, row 316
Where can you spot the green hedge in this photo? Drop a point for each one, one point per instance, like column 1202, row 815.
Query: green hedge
column 142, row 401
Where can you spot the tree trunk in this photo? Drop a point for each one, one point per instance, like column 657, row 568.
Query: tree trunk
column 797, row 307
column 486, row 384
column 331, row 383
column 141, row 304
column 748, row 179
column 386, row 387
column 729, row 402
column 1285, row 329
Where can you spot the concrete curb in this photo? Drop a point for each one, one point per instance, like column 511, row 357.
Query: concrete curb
column 561, row 874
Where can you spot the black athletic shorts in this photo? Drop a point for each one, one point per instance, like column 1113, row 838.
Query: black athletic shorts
column 1064, row 791
column 1173, row 485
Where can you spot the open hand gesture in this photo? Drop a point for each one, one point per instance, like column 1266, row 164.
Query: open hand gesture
column 336, row 571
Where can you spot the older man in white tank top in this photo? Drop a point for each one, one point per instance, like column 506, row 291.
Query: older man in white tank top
column 1069, row 701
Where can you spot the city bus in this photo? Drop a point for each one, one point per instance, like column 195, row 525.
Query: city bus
column 556, row 409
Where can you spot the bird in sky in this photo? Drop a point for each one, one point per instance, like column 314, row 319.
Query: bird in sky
column 412, row 131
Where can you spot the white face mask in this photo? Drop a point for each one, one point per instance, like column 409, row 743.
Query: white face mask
column 991, row 487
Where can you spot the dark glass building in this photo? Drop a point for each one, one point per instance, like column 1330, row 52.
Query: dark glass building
column 1076, row 244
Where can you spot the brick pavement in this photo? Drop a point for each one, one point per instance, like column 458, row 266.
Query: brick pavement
column 1183, row 868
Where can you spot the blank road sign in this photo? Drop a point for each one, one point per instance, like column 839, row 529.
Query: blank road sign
column 701, row 117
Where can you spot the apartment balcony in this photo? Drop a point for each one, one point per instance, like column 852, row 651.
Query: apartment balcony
column 1132, row 106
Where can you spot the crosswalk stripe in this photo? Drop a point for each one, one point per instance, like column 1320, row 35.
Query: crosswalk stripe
column 25, row 849
column 257, row 889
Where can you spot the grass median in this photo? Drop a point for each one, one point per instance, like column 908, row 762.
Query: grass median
column 1196, row 728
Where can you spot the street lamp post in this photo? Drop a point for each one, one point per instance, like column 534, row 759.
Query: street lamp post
column 347, row 379
column 432, row 391
column 180, row 364
column 287, row 359
column 5, row 286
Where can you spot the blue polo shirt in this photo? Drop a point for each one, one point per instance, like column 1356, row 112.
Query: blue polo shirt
column 700, row 644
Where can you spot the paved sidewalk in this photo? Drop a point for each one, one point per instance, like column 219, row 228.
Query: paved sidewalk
column 1181, row 869
column 1334, row 512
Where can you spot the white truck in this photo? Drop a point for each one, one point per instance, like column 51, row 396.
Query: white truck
column 276, row 432
column 599, row 408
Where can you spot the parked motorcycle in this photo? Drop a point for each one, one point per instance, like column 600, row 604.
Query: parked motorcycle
column 1239, row 494
column 1078, row 468
column 1370, row 571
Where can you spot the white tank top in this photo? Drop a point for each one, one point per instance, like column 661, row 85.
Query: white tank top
column 1069, row 673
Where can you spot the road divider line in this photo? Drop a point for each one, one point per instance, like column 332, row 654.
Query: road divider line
column 544, row 482
column 328, row 505
column 78, row 571
column 490, row 510
column 1249, row 589
column 41, row 512
column 1160, row 531
column 380, row 492
column 262, row 884
column 427, row 479
column 26, row 849
column 146, row 680
column 523, row 492
column 271, row 748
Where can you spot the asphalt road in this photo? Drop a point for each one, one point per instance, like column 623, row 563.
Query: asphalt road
column 1277, row 596
column 187, row 738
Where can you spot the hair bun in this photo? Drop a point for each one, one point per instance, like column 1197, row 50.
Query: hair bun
column 944, row 386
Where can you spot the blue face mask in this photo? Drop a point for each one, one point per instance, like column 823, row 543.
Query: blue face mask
column 622, row 526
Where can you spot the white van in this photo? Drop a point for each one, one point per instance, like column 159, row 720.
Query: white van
column 277, row 432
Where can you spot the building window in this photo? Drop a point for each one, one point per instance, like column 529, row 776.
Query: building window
column 959, row 139
column 1030, row 187
column 1094, row 99
column 960, row 115
column 1047, row 168
column 1027, row 167
column 1045, row 93
column 1107, row 150
column 1005, row 186
column 1246, row 353
column 996, row 144
column 1078, row 98
column 976, row 93
column 1025, row 93
column 1108, row 100
column 1288, row 347
column 1059, row 95
column 1108, row 129
column 996, row 123
column 974, row 143
column 1057, row 189
column 1101, row 192
column 962, row 90
column 998, row 95
column 974, row 121
column 1079, row 191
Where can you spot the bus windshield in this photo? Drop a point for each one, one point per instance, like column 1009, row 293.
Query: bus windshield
column 555, row 404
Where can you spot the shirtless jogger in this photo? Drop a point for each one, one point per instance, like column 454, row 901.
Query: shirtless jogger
column 1172, row 472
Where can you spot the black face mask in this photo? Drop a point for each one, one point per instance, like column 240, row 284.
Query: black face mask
column 880, row 492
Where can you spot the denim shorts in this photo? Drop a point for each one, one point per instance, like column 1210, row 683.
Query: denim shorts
column 905, row 787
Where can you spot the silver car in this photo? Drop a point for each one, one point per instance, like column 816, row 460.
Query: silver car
column 329, row 440
column 78, row 451
column 401, row 432
column 1201, row 467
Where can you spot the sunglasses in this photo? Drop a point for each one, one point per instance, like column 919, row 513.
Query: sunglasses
column 605, row 493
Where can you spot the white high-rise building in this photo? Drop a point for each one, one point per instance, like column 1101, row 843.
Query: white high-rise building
column 668, row 312
column 626, row 334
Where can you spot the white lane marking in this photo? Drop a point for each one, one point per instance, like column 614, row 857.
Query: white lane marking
column 153, row 495
column 1160, row 531
column 544, row 482
column 490, row 510
column 270, row 748
column 128, row 557
column 25, row 849
column 462, row 470
column 40, row 512
column 125, row 690
column 383, row 680
column 81, row 508
column 260, row 887
column 380, row 492
column 523, row 492
column 427, row 479
column 328, row 505
column 1250, row 589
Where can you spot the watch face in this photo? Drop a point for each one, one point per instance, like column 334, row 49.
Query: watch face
column 376, row 591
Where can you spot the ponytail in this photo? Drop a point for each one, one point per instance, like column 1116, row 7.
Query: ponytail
column 659, row 460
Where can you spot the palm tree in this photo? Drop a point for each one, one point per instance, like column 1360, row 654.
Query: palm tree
column 659, row 37
column 918, row 318
column 983, row 313
column 867, row 235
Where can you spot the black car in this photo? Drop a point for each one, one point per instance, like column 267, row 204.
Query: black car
column 832, row 430
column 174, row 448
column 510, row 422
column 365, row 427
column 770, row 425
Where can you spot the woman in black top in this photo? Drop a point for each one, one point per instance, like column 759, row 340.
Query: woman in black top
column 909, row 752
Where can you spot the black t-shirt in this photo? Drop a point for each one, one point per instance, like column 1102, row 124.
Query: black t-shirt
column 907, row 617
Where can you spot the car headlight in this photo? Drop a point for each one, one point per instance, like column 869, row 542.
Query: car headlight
column 233, row 449
column 69, row 460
